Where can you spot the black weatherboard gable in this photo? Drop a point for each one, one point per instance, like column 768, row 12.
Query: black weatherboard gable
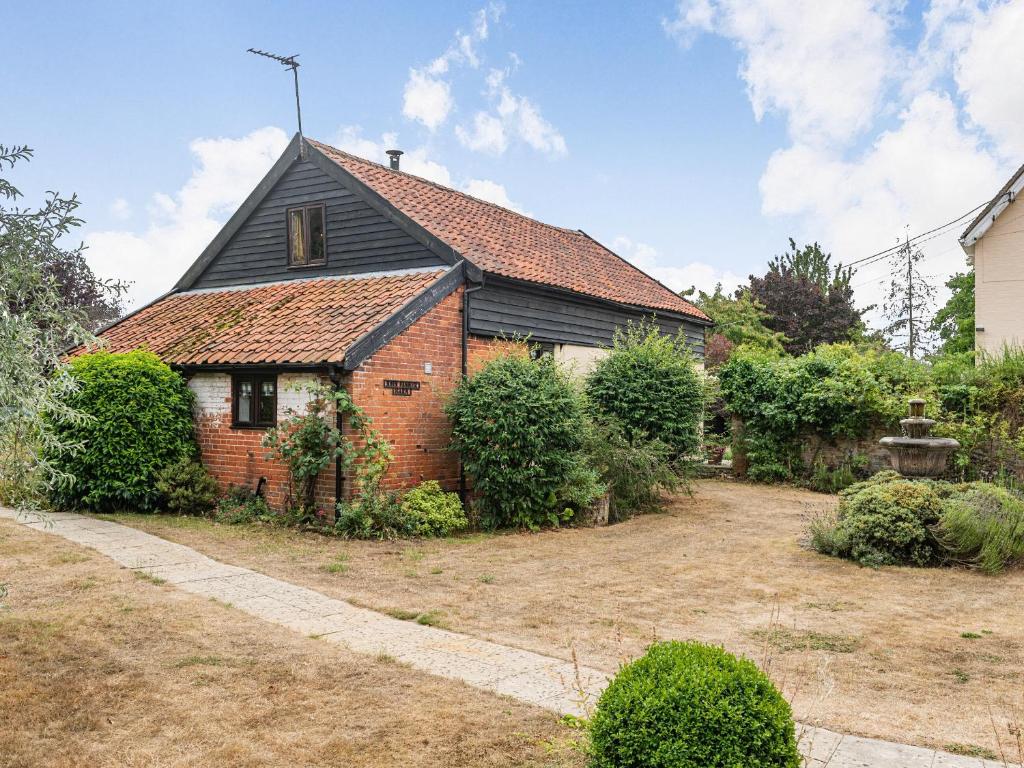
column 239, row 217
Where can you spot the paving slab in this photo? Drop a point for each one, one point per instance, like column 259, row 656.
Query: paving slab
column 547, row 682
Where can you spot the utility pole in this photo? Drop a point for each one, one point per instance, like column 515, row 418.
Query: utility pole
column 910, row 295
column 290, row 63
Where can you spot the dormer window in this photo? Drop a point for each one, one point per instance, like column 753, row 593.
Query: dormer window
column 307, row 240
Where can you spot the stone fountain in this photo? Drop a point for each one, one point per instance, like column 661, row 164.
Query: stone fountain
column 917, row 454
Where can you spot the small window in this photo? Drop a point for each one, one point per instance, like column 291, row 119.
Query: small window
column 307, row 238
column 541, row 348
column 255, row 400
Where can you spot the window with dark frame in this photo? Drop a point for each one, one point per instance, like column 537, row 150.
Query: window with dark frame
column 307, row 236
column 254, row 400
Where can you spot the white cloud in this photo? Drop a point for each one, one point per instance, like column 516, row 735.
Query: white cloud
column 121, row 209
column 493, row 192
column 697, row 273
column 859, row 207
column 941, row 117
column 486, row 135
column 419, row 163
column 514, row 115
column 428, row 95
column 990, row 73
column 427, row 99
column 180, row 226
column 823, row 65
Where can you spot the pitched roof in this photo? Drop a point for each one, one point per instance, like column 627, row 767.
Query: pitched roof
column 298, row 321
column 988, row 209
column 507, row 243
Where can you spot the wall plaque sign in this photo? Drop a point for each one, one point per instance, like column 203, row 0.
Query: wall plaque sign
column 401, row 388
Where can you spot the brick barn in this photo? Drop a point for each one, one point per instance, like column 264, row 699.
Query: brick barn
column 388, row 285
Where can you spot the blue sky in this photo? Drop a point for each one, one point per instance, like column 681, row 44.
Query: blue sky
column 693, row 137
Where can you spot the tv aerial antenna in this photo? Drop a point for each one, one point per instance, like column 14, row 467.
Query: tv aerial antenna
column 289, row 62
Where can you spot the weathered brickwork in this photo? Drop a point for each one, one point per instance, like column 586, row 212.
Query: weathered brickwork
column 237, row 456
column 415, row 424
column 482, row 350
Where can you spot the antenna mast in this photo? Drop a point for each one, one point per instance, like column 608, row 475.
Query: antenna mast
column 291, row 63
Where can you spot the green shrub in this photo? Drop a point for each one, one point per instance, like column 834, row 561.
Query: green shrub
column 636, row 471
column 430, row 511
column 983, row 525
column 648, row 382
column 519, row 426
column 688, row 705
column 883, row 521
column 186, row 488
column 374, row 514
column 241, row 506
column 141, row 423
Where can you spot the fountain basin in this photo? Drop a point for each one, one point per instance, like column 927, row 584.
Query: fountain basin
column 919, row 456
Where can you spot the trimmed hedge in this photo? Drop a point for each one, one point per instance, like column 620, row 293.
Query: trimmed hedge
column 689, row 705
column 140, row 421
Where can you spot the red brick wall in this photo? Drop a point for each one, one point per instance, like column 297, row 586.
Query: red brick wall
column 416, row 425
column 482, row 350
column 237, row 456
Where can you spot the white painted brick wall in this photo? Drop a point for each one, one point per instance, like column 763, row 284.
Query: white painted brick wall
column 212, row 391
column 292, row 393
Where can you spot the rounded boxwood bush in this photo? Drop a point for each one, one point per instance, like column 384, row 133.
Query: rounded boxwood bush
column 886, row 520
column 689, row 705
column 649, row 383
column 139, row 422
column 518, row 425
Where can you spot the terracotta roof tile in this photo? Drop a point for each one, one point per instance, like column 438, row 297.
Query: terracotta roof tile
column 506, row 243
column 301, row 321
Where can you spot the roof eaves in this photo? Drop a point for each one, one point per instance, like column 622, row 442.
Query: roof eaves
column 984, row 220
column 696, row 312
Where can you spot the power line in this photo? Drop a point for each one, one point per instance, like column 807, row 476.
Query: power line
column 915, row 238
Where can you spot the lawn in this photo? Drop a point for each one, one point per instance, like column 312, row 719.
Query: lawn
column 922, row 656
column 101, row 668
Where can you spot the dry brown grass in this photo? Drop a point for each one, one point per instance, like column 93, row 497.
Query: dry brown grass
column 876, row 653
column 100, row 668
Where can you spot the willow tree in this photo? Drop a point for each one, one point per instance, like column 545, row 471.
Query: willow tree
column 40, row 317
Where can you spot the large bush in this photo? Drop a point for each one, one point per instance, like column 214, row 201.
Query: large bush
column 688, row 705
column 886, row 520
column 649, row 383
column 983, row 525
column 140, row 422
column 518, row 425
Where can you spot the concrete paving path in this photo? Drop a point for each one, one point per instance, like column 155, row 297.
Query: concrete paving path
column 547, row 682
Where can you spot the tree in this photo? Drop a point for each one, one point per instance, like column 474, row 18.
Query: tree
column 954, row 323
column 806, row 299
column 908, row 303
column 37, row 323
column 738, row 320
